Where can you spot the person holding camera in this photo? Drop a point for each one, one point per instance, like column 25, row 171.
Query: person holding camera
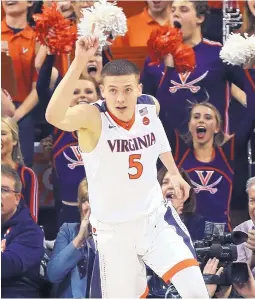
column 246, row 251
column 246, row 290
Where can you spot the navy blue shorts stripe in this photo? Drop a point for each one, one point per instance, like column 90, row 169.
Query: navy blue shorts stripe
column 169, row 218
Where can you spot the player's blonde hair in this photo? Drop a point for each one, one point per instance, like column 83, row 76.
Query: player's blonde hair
column 13, row 126
column 219, row 137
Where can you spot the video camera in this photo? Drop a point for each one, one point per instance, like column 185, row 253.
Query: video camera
column 217, row 243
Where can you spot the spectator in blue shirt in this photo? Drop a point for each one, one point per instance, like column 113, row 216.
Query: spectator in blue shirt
column 72, row 261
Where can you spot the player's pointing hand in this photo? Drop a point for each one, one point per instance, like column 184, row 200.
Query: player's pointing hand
column 86, row 47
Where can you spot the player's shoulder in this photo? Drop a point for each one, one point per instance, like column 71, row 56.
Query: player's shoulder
column 150, row 101
column 145, row 99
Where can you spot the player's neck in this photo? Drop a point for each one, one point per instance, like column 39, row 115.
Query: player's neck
column 17, row 23
column 163, row 17
column 204, row 152
column 194, row 39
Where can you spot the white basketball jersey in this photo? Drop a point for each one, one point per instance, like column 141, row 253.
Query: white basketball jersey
column 121, row 170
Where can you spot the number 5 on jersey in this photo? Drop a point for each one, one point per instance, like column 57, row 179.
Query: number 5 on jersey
column 134, row 163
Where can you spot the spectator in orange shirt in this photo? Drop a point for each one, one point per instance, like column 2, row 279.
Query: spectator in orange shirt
column 140, row 26
column 20, row 39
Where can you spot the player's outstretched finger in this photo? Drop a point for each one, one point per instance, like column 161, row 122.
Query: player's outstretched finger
column 89, row 42
column 93, row 28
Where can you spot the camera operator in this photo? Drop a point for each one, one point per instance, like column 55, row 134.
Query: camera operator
column 246, row 290
column 246, row 251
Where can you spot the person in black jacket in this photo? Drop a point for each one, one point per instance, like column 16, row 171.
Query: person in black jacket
column 21, row 241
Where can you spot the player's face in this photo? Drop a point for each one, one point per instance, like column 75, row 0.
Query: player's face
column 251, row 195
column 7, row 142
column 15, row 8
column 203, row 125
column 169, row 194
column 251, row 6
column 84, row 93
column 184, row 12
column 120, row 94
column 158, row 6
column 94, row 67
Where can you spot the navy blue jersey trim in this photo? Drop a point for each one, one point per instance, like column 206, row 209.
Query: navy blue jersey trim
column 145, row 99
column 102, row 107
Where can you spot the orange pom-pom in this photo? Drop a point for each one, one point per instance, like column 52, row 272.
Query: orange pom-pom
column 166, row 40
column 63, row 34
column 162, row 41
column 184, row 59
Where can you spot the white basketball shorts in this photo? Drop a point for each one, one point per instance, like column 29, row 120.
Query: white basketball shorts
column 159, row 240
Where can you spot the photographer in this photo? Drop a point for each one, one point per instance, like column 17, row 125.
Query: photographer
column 246, row 290
column 246, row 251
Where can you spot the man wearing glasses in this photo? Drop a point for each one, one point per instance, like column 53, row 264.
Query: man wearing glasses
column 21, row 241
column 246, row 251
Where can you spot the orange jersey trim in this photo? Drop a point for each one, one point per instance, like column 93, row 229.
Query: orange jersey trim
column 146, row 293
column 125, row 125
column 178, row 267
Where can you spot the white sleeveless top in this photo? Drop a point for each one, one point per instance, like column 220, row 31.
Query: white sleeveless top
column 121, row 170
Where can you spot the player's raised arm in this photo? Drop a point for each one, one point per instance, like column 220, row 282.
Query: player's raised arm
column 59, row 113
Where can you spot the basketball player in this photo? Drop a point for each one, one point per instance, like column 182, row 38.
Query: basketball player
column 121, row 139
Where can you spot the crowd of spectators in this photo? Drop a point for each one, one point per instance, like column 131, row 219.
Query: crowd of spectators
column 208, row 115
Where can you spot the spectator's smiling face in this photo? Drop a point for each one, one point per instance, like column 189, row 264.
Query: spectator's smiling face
column 7, row 141
column 9, row 197
column 120, row 94
column 170, row 195
column 203, row 125
column 84, row 93
column 251, row 195
column 15, row 8
column 184, row 12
